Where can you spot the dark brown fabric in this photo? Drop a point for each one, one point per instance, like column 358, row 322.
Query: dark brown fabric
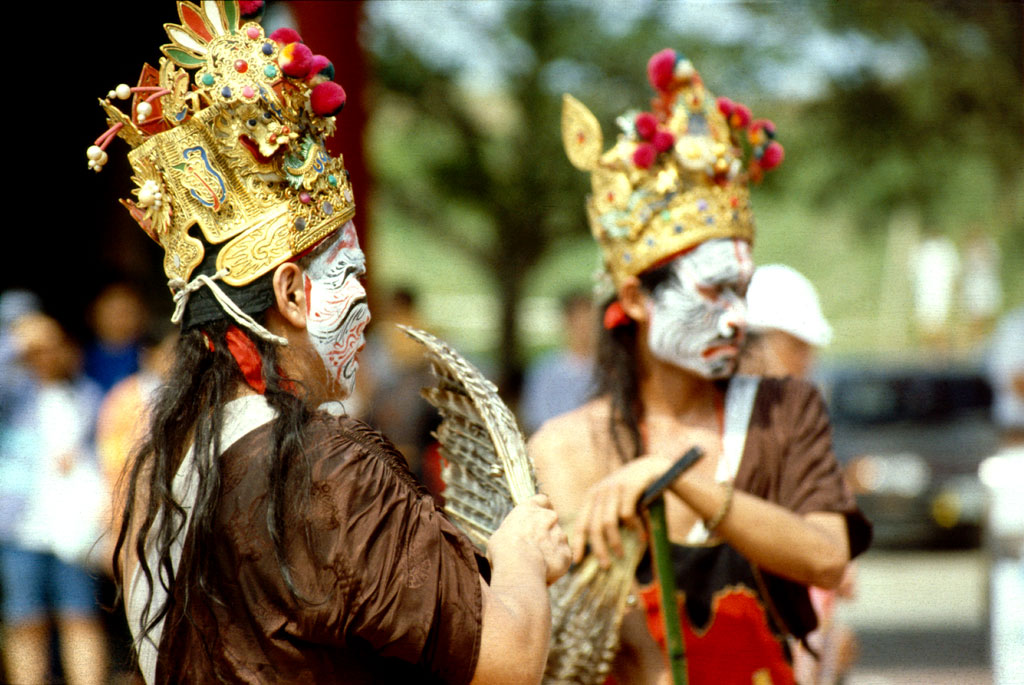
column 788, row 457
column 389, row 588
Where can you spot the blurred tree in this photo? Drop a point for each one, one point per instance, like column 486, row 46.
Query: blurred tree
column 941, row 131
column 914, row 104
column 482, row 167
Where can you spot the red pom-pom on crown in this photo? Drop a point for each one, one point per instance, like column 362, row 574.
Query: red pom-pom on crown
column 663, row 141
column 772, row 156
column 250, row 8
column 646, row 125
column 295, row 60
column 660, row 69
column 285, row 35
column 644, row 155
column 321, row 67
column 327, row 99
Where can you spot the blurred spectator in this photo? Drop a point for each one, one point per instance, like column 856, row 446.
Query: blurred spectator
column 118, row 320
column 935, row 267
column 981, row 293
column 16, row 384
column 52, row 499
column 1006, row 374
column 398, row 369
column 563, row 379
column 785, row 324
column 786, row 328
column 1003, row 476
column 124, row 414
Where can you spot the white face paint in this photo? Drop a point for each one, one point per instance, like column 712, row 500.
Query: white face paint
column 336, row 309
column 698, row 314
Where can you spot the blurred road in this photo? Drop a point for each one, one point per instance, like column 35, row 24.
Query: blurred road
column 921, row 617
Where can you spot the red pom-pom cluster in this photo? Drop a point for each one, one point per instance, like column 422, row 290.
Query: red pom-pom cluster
column 736, row 114
column 250, row 8
column 668, row 70
column 327, row 99
column 297, row 61
column 767, row 153
column 656, row 140
column 661, row 68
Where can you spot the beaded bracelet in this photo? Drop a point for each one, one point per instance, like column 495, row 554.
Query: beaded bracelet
column 720, row 515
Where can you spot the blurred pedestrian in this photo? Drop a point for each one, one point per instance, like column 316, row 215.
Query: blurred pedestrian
column 765, row 512
column 785, row 325
column 562, row 379
column 118, row 320
column 1003, row 476
column 53, row 500
column 397, row 371
column 786, row 330
column 124, row 413
column 935, row 268
column 981, row 292
column 16, row 382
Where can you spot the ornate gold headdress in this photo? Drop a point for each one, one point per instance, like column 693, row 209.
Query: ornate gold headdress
column 677, row 176
column 237, row 150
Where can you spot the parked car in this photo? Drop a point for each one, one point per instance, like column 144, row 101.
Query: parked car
column 911, row 440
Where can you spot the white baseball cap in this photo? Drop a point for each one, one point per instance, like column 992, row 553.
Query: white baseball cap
column 781, row 298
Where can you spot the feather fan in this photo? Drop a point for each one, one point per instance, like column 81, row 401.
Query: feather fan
column 486, row 473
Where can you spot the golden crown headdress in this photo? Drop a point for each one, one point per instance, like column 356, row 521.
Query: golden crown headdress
column 237, row 150
column 678, row 174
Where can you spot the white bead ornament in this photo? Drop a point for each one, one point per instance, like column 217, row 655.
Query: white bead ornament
column 122, row 91
column 144, row 110
column 94, row 152
column 150, row 195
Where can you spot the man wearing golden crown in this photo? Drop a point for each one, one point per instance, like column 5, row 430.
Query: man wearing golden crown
column 765, row 512
column 265, row 539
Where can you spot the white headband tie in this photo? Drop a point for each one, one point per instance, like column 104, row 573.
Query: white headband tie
column 183, row 290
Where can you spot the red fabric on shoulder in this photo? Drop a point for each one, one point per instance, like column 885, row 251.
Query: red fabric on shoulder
column 247, row 357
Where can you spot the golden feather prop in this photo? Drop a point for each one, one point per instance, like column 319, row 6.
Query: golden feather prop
column 486, row 473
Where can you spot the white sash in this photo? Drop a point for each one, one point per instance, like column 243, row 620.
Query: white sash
column 241, row 416
column 739, row 403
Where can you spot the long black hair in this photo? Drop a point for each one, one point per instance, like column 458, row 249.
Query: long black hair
column 617, row 373
column 188, row 411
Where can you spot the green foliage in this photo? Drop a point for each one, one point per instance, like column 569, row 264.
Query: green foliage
column 920, row 111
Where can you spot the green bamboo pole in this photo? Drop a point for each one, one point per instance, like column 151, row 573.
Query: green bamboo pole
column 653, row 502
column 662, row 554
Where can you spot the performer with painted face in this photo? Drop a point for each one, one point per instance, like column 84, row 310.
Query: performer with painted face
column 765, row 512
column 265, row 539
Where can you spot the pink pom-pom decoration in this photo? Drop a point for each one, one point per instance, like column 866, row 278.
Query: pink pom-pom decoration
column 765, row 125
column 322, row 67
column 327, row 99
column 740, row 116
column 250, row 8
column 646, row 125
column 660, row 68
column 772, row 156
column 285, row 35
column 643, row 155
column 295, row 60
column 726, row 106
column 663, row 140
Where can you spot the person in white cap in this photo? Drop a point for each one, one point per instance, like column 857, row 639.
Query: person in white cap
column 785, row 324
column 786, row 329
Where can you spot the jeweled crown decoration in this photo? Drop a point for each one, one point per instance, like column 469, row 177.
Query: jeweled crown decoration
column 236, row 148
column 678, row 175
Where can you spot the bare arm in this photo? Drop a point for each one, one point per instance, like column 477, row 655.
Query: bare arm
column 527, row 553
column 810, row 549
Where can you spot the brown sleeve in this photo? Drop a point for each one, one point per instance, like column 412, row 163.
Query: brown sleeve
column 407, row 579
column 808, row 477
